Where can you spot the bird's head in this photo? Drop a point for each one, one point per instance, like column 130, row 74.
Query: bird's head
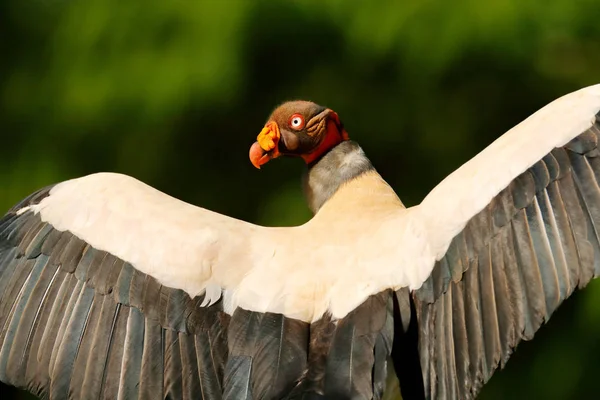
column 298, row 128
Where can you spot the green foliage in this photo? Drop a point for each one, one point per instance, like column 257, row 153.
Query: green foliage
column 174, row 93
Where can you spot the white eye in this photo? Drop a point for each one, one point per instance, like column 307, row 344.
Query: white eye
column 296, row 122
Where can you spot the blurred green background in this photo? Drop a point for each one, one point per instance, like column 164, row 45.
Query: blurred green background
column 174, row 93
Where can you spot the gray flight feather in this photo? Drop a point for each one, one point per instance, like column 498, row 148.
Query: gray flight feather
column 512, row 265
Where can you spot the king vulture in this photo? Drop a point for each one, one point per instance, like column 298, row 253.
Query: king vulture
column 110, row 289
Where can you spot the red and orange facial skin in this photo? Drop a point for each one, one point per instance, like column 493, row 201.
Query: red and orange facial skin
column 298, row 128
column 266, row 146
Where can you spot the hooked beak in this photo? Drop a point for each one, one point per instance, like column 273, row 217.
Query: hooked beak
column 266, row 146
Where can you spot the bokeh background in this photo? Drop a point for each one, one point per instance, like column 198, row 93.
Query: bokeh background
column 175, row 92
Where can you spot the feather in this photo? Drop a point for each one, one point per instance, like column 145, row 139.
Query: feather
column 59, row 247
column 14, row 287
column 173, row 314
column 133, row 348
column 190, row 376
column 502, row 210
column 383, row 352
column 212, row 355
column 489, row 317
column 8, row 264
column 448, row 311
column 28, row 319
column 427, row 291
column 279, row 356
column 35, row 229
column 34, row 198
column 71, row 255
column 589, row 193
column 66, row 288
column 98, row 277
column 528, row 249
column 440, row 277
column 106, row 277
column 7, row 225
column 441, row 352
column 151, row 298
column 123, row 284
column 61, row 369
column 516, row 286
column 50, row 242
column 541, row 176
column 555, row 246
column 113, row 277
column 241, row 340
column 34, row 248
column 477, row 232
column 85, row 349
column 595, row 164
column 543, row 257
column 453, row 263
column 321, row 334
column 569, row 259
column 530, row 275
column 9, row 353
column 136, row 289
column 237, row 379
column 38, row 382
column 522, row 190
column 425, row 335
column 349, row 364
column 472, row 304
column 172, row 365
column 64, row 323
column 101, row 345
column 554, row 169
column 503, row 299
column 112, row 368
column 350, row 360
column 583, row 143
column 89, row 256
column 151, row 375
column 459, row 335
column 96, row 266
column 577, row 222
column 404, row 313
column 20, row 227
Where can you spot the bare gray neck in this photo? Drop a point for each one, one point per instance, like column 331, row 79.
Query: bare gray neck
column 341, row 164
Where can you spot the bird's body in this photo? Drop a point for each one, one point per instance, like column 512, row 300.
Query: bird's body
column 113, row 289
column 236, row 255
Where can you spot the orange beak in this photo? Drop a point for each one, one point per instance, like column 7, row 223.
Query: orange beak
column 265, row 147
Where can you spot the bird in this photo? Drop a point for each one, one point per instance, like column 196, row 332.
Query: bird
column 112, row 289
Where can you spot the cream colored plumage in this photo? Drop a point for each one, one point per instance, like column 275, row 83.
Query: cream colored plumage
column 367, row 240
column 465, row 192
column 318, row 300
column 264, row 268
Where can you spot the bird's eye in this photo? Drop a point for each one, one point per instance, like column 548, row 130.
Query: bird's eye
column 296, row 122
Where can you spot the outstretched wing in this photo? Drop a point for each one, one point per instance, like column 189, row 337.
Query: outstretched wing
column 111, row 289
column 515, row 231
